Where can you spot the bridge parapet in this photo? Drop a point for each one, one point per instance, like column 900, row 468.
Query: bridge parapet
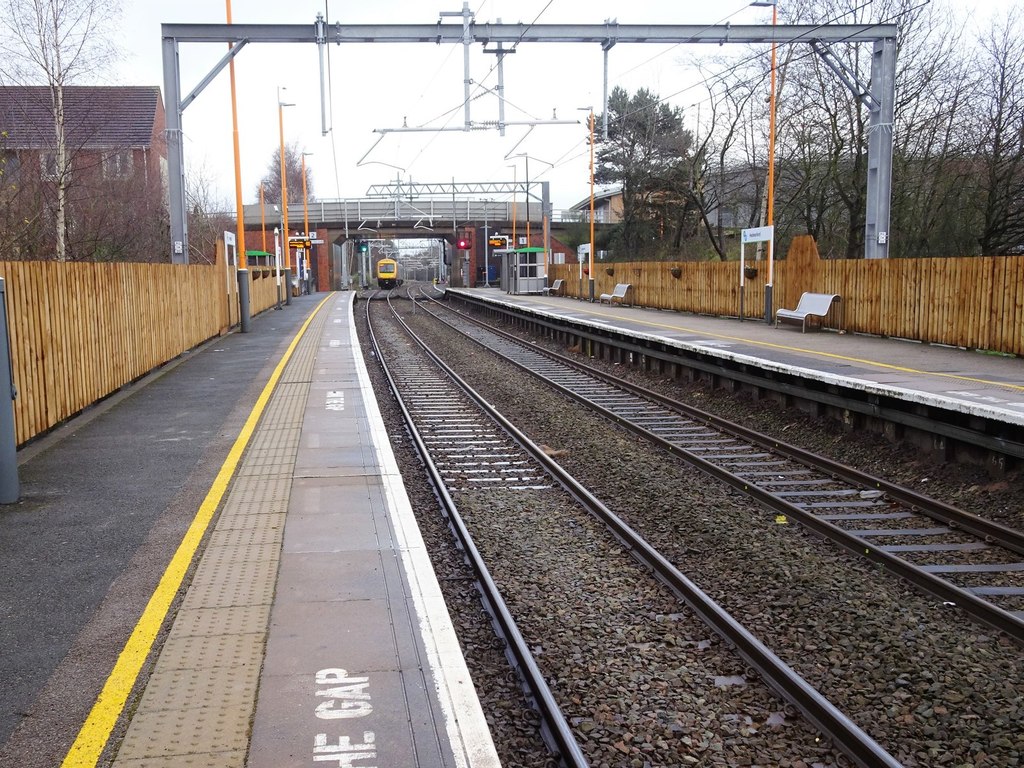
column 429, row 215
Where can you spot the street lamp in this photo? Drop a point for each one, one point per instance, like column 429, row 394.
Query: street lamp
column 487, row 249
column 523, row 154
column 770, row 213
column 263, row 219
column 305, row 222
column 590, row 267
column 284, row 195
column 515, row 183
column 238, row 163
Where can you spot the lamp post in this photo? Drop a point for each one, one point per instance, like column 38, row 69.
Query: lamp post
column 487, row 249
column 303, row 275
column 770, row 212
column 590, row 266
column 515, row 183
column 527, row 157
column 263, row 220
column 242, row 273
column 284, row 200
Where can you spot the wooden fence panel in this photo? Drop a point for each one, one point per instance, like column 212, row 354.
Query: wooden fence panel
column 81, row 331
column 972, row 302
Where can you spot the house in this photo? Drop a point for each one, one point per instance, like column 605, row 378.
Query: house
column 116, row 178
column 607, row 207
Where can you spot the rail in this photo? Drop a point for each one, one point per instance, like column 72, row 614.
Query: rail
column 824, row 499
column 848, row 737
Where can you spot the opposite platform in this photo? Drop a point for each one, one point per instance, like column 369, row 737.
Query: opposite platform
column 968, row 382
column 314, row 613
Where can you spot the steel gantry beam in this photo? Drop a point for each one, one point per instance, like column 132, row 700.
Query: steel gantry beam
column 607, row 35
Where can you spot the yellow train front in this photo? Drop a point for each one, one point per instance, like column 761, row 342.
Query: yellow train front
column 387, row 273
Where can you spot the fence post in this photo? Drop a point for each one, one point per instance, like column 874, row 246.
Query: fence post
column 8, row 446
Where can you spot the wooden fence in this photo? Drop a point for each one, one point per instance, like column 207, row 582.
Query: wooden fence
column 974, row 302
column 81, row 331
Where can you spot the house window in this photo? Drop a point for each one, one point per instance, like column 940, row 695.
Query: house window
column 117, row 165
column 48, row 164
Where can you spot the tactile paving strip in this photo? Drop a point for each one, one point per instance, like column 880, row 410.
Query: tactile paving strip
column 198, row 703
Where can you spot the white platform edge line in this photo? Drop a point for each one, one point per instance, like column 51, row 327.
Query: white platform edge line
column 464, row 718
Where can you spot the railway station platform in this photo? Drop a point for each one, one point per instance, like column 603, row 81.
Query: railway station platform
column 257, row 471
column 312, row 630
column 968, row 382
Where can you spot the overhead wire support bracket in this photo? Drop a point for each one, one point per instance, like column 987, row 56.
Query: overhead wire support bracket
column 225, row 60
column 847, row 76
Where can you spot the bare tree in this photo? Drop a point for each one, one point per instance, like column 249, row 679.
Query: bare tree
column 714, row 183
column 56, row 42
column 1001, row 131
column 208, row 217
column 271, row 181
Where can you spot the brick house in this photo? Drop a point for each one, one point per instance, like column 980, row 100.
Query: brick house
column 117, row 174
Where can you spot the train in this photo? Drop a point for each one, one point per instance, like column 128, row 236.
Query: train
column 387, row 274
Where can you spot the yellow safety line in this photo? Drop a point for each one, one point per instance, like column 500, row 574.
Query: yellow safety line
column 769, row 344
column 95, row 732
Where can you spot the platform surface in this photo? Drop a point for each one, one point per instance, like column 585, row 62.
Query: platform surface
column 962, row 380
column 314, row 613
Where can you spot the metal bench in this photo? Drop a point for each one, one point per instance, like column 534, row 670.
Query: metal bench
column 619, row 294
column 810, row 305
column 557, row 288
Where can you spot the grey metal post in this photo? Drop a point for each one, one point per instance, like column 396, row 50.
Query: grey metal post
column 175, row 160
column 287, row 286
column 244, row 318
column 8, row 445
column 545, row 213
column 880, row 138
column 487, row 247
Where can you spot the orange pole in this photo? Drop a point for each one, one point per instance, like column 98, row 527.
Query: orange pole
column 771, row 149
column 305, row 200
column 238, row 164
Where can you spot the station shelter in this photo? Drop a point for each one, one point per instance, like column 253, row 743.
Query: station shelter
column 523, row 270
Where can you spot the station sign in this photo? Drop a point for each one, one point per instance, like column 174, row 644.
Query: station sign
column 757, row 234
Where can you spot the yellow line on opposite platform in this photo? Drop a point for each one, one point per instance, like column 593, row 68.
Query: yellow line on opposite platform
column 861, row 361
column 92, row 738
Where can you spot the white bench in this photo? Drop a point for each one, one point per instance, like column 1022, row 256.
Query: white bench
column 556, row 288
column 619, row 294
column 810, row 305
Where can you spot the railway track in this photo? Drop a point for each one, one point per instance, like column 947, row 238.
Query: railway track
column 478, row 460
column 960, row 558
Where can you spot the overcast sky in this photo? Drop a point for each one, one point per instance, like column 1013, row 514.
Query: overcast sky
column 387, row 85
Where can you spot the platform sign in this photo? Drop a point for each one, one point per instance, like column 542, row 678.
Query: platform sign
column 758, row 235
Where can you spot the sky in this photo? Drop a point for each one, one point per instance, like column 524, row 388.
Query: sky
column 388, row 85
